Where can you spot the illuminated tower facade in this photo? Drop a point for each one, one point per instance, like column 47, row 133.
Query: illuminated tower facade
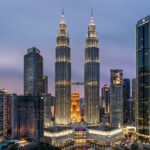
column 91, row 76
column 116, row 98
column 143, row 79
column 75, row 107
column 62, row 76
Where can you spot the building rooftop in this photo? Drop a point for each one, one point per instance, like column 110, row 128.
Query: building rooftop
column 143, row 20
column 33, row 49
column 56, row 129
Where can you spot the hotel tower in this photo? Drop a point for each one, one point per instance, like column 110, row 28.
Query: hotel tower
column 62, row 75
column 91, row 76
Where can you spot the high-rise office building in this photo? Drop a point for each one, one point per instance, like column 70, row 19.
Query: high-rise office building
column 143, row 79
column 91, row 76
column 3, row 112
column 126, row 103
column 116, row 98
column 133, row 100
column 105, row 98
column 13, row 116
column 28, row 117
column 63, row 75
column 33, row 72
column 45, row 84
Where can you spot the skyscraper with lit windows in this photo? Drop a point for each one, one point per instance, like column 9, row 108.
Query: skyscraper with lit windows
column 143, row 79
column 3, row 112
column 116, row 98
column 63, row 75
column 33, row 72
column 91, row 76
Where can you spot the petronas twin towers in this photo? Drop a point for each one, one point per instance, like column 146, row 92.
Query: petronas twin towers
column 63, row 76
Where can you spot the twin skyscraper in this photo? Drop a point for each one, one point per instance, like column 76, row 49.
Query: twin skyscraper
column 63, row 76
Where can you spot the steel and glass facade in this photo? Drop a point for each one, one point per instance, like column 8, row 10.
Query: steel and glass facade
column 116, row 98
column 143, row 79
column 91, row 76
column 33, row 72
column 63, row 76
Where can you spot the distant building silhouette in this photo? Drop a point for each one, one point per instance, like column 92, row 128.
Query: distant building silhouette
column 45, row 84
column 126, row 103
column 105, row 101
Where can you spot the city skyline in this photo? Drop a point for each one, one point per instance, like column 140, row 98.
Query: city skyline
column 21, row 35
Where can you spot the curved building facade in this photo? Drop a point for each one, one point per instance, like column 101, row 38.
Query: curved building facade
column 62, row 76
column 91, row 76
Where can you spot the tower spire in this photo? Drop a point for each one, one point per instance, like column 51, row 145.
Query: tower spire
column 91, row 21
column 63, row 12
column 63, row 18
column 91, row 12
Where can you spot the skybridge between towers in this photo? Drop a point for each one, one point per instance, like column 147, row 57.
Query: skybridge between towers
column 77, row 83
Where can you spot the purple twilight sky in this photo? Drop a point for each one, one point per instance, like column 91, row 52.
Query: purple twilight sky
column 28, row 23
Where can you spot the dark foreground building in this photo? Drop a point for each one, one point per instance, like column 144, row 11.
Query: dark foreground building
column 27, row 117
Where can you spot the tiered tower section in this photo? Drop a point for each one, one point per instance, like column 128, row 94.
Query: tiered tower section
column 91, row 75
column 62, row 76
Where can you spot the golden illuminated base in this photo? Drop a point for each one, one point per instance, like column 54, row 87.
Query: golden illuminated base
column 75, row 108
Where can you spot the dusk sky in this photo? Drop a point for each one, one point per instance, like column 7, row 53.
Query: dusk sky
column 28, row 23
